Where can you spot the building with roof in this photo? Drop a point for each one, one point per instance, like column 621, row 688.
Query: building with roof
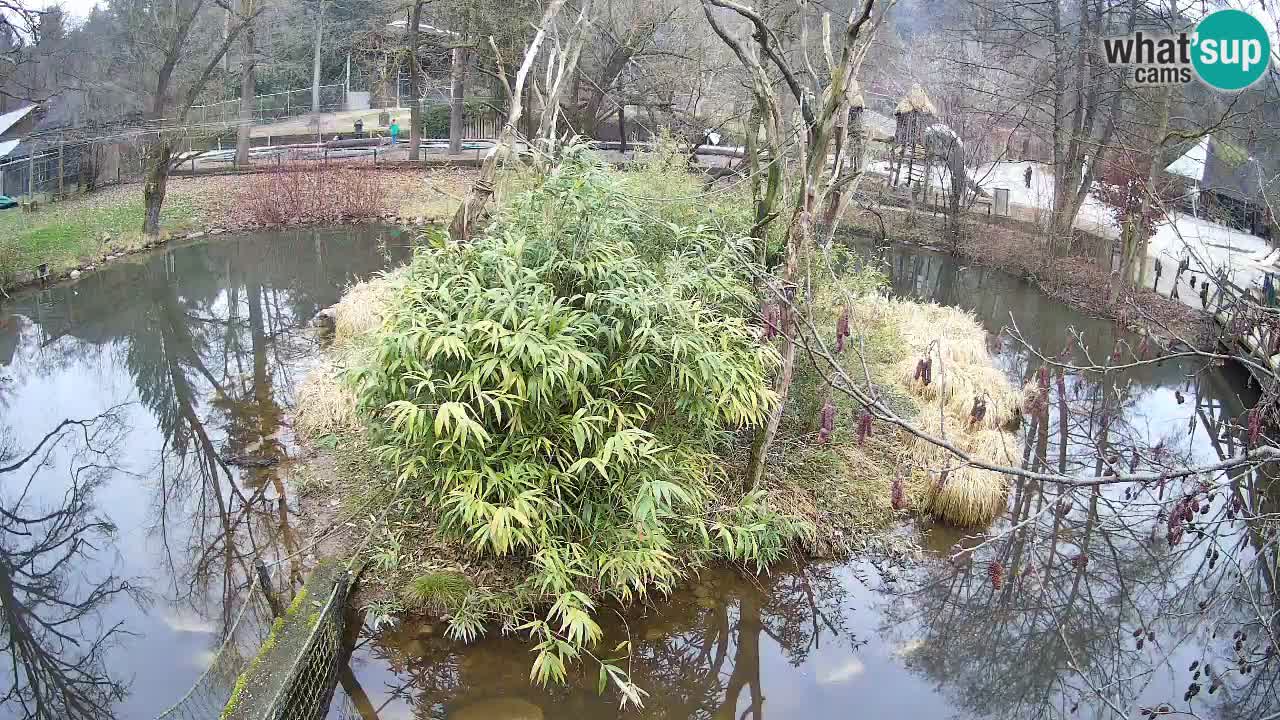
column 1223, row 182
column 15, row 125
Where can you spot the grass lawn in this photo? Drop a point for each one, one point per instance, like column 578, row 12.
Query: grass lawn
column 68, row 233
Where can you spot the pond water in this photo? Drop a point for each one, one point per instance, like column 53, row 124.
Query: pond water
column 126, row 541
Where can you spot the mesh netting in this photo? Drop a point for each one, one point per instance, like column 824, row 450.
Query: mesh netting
column 211, row 691
column 308, row 687
column 306, row 680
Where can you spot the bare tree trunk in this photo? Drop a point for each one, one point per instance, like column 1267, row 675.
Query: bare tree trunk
column 797, row 243
column 155, row 185
column 1142, row 234
column 457, row 97
column 561, row 65
column 622, row 130
column 473, row 205
column 315, row 63
column 247, row 89
column 415, row 84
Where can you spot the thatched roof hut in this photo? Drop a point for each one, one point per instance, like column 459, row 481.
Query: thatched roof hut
column 915, row 101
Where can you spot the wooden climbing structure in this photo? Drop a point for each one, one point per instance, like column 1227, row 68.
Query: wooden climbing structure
column 909, row 157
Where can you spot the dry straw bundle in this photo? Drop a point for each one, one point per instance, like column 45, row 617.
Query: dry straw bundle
column 962, row 371
column 915, row 101
column 325, row 404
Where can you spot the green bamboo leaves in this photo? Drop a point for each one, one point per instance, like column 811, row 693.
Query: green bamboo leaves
column 555, row 394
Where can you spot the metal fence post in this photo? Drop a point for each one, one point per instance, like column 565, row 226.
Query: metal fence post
column 61, row 167
column 31, row 175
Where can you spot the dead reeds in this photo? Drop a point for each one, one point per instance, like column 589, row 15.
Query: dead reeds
column 963, row 377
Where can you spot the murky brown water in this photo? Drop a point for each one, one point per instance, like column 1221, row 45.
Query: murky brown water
column 194, row 350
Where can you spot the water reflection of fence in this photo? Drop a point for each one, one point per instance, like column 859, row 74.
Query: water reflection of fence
column 208, row 697
column 247, row 678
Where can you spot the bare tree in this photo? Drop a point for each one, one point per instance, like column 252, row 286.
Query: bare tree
column 820, row 103
column 473, row 206
column 248, row 89
column 53, row 671
column 19, row 34
column 174, row 50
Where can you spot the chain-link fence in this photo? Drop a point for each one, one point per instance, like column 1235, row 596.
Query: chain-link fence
column 307, row 689
column 286, row 670
column 49, row 172
column 273, row 106
column 212, row 690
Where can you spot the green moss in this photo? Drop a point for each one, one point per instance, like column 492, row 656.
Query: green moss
column 236, row 692
column 297, row 602
column 277, row 627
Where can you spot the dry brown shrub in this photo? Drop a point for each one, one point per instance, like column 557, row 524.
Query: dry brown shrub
column 310, row 192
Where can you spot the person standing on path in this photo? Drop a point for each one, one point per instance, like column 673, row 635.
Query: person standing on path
column 395, row 131
column 1026, row 176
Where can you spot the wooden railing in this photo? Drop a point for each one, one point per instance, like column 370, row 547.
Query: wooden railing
column 1246, row 323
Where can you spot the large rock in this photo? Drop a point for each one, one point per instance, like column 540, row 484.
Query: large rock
column 498, row 709
column 326, row 319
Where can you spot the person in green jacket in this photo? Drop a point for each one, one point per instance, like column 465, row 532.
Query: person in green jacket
column 395, row 131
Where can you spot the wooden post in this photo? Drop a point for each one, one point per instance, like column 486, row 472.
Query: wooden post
column 31, row 175
column 622, row 130
column 61, row 166
column 264, row 579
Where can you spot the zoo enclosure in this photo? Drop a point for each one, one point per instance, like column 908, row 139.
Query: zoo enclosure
column 56, row 171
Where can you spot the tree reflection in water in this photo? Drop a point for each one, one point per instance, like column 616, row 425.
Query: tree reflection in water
column 208, row 338
column 1085, row 604
column 699, row 654
column 52, row 584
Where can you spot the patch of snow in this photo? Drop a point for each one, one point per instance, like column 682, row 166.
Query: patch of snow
column 8, row 146
column 1210, row 249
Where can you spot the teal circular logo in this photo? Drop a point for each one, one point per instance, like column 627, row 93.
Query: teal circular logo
column 1232, row 50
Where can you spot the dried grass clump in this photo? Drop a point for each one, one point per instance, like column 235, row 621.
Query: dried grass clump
column 844, row 490
column 962, row 366
column 361, row 309
column 325, row 404
column 967, row 496
column 962, row 370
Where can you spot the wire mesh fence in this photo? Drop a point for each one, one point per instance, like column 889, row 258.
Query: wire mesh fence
column 213, row 689
column 56, row 171
column 273, row 106
column 252, row 654
column 307, row 689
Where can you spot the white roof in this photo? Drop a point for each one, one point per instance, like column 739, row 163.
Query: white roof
column 10, row 119
column 1191, row 164
column 7, row 147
